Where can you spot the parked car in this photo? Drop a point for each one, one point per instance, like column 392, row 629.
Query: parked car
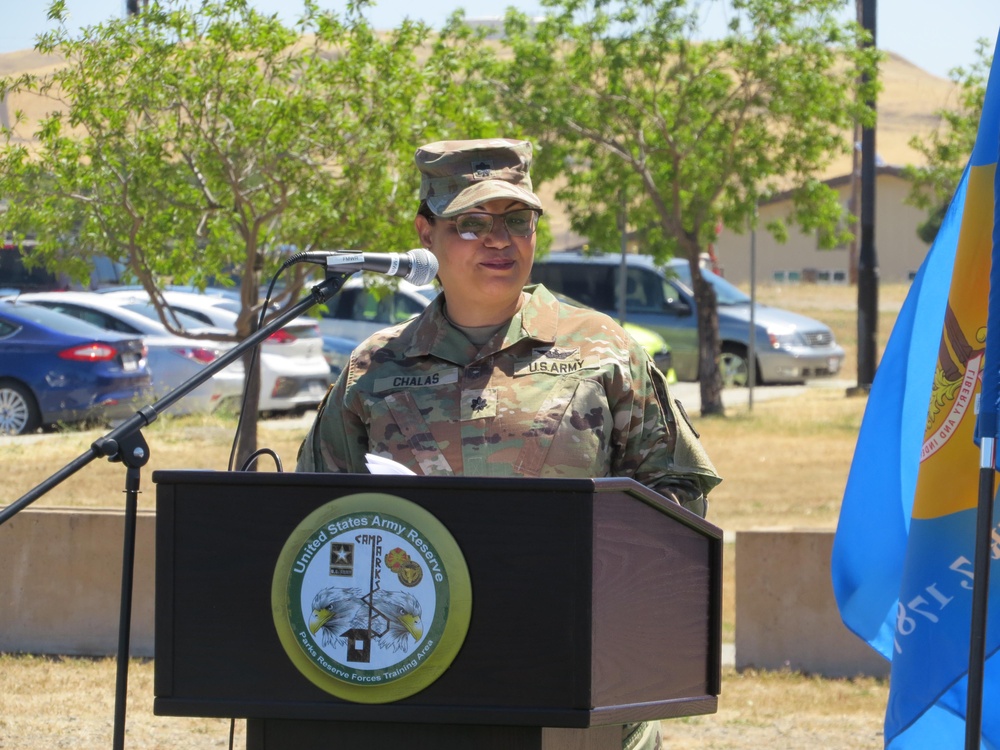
column 654, row 344
column 210, row 310
column 337, row 351
column 172, row 359
column 229, row 293
column 356, row 312
column 789, row 348
column 294, row 370
column 55, row 369
column 16, row 277
column 401, row 304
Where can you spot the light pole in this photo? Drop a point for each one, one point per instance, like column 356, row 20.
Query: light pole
column 867, row 257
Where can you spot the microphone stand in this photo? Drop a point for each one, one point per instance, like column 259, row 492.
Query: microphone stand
column 126, row 444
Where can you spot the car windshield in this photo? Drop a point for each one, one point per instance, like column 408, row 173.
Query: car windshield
column 725, row 293
column 225, row 303
column 57, row 321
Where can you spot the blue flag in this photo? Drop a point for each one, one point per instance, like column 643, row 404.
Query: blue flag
column 902, row 570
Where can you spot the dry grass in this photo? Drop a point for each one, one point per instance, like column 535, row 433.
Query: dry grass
column 69, row 702
column 786, row 711
column 53, row 703
column 784, row 463
column 189, row 442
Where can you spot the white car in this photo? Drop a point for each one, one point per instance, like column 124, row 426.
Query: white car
column 173, row 360
column 294, row 374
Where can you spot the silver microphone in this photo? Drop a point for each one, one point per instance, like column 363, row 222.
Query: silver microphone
column 416, row 266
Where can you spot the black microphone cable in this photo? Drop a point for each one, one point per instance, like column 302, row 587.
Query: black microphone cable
column 254, row 359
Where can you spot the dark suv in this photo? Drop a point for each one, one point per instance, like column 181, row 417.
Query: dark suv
column 16, row 278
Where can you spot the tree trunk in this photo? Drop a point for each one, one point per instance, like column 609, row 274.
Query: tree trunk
column 246, row 434
column 709, row 348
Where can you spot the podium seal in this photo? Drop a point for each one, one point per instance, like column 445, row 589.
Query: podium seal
column 371, row 598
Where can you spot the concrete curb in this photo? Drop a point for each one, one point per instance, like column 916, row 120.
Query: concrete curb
column 62, row 588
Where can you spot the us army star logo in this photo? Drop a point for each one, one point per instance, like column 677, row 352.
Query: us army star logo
column 342, row 559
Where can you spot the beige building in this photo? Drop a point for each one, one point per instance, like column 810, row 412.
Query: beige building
column 908, row 106
column 899, row 251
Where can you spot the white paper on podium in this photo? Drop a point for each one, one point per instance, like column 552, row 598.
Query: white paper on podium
column 379, row 465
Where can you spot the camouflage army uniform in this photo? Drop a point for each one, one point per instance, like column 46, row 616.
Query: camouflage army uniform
column 558, row 392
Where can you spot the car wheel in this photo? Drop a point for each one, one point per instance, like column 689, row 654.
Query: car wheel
column 734, row 366
column 18, row 410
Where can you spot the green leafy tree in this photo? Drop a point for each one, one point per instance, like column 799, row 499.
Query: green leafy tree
column 196, row 144
column 947, row 149
column 626, row 103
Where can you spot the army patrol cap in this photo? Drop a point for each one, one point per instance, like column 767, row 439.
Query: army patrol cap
column 457, row 175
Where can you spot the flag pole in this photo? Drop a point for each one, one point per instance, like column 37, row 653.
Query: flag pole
column 868, row 257
column 986, row 431
column 980, row 595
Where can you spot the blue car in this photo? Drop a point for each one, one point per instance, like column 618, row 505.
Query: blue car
column 337, row 351
column 55, row 369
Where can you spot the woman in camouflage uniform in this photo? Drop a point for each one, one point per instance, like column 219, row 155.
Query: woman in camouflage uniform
column 496, row 378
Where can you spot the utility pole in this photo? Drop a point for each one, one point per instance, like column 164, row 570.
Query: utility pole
column 623, row 267
column 867, row 258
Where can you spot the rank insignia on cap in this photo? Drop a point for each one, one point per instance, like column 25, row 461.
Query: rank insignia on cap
column 482, row 169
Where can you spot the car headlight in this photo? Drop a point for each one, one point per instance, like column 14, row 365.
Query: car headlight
column 784, row 337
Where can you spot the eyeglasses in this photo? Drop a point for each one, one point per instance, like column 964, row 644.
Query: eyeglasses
column 477, row 226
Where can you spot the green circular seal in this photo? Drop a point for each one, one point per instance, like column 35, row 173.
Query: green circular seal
column 371, row 598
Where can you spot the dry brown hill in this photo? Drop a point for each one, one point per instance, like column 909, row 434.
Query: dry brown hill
column 23, row 61
column 907, row 105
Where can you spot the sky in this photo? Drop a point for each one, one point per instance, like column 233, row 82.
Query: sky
column 934, row 35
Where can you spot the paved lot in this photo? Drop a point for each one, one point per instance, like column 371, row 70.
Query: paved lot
column 690, row 393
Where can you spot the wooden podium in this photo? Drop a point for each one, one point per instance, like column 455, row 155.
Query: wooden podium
column 594, row 603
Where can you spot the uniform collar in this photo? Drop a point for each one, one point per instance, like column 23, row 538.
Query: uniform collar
column 537, row 319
